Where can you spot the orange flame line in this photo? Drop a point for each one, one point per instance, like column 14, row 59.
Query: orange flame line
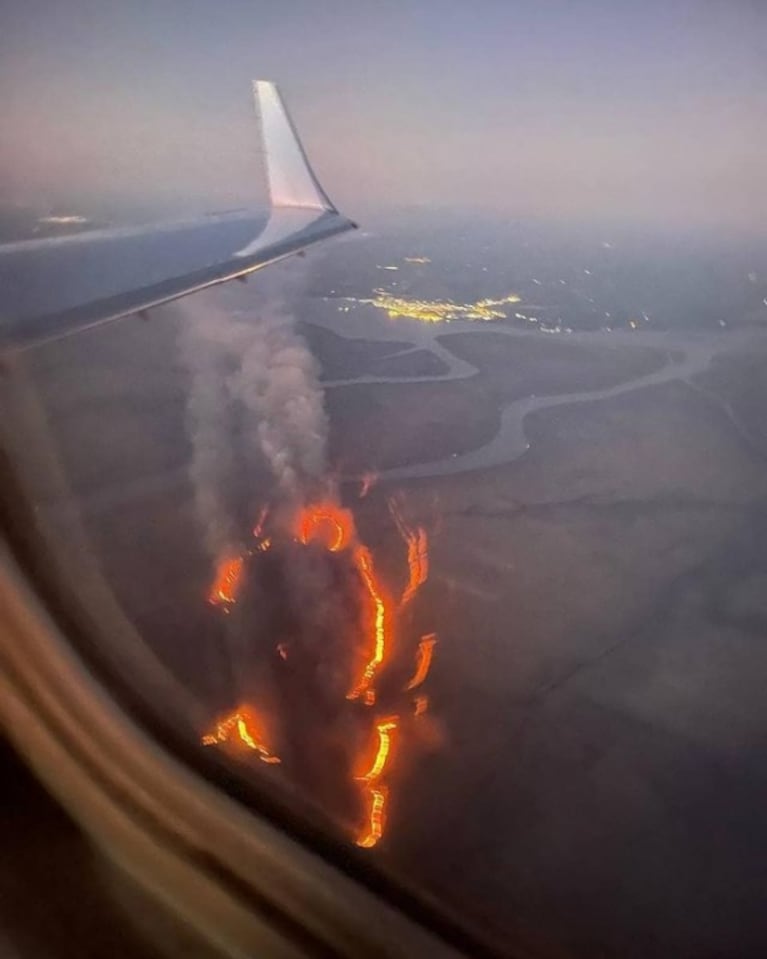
column 417, row 543
column 364, row 562
column 418, row 563
column 425, row 655
column 242, row 730
column 246, row 735
column 384, row 728
column 421, row 704
column 227, row 582
column 375, row 819
column 333, row 527
column 311, row 519
column 341, row 521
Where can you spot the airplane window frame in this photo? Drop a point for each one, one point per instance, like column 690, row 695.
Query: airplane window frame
column 28, row 552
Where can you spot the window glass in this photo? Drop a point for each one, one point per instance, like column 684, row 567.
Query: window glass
column 453, row 531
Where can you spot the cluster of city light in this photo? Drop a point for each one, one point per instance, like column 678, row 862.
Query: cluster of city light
column 63, row 220
column 437, row 311
column 406, row 259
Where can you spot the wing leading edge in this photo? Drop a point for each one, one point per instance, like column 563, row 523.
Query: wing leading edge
column 55, row 287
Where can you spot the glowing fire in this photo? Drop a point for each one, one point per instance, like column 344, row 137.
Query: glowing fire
column 372, row 791
column 333, row 527
column 417, row 543
column 420, row 705
column 423, row 660
column 227, row 582
column 329, row 526
column 243, row 726
column 374, row 830
column 418, row 563
column 385, row 729
column 328, row 523
column 364, row 563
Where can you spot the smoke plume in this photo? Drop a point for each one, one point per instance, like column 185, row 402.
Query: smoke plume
column 252, row 365
column 277, row 383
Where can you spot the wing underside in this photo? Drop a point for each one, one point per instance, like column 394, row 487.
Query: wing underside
column 55, row 287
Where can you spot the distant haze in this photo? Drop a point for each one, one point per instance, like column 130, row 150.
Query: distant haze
column 654, row 111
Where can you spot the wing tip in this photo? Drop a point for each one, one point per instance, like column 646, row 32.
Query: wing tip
column 292, row 182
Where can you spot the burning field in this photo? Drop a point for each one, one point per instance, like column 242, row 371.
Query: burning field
column 326, row 642
column 336, row 682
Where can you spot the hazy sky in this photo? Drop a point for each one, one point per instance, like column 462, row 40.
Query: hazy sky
column 634, row 108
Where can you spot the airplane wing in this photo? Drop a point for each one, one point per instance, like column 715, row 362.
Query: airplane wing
column 54, row 287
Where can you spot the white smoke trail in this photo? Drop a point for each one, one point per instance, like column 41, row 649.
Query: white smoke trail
column 202, row 348
column 256, row 359
column 277, row 383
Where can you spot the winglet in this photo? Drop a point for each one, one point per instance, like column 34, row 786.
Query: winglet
column 292, row 182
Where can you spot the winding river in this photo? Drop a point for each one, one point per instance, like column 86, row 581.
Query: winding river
column 687, row 355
